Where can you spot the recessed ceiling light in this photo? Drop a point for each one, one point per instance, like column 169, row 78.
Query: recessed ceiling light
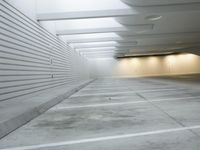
column 153, row 17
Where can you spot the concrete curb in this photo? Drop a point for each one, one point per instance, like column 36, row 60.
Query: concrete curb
column 19, row 120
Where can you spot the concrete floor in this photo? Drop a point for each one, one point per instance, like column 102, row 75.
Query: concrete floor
column 119, row 114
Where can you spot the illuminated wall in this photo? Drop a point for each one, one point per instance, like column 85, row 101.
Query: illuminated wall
column 147, row 66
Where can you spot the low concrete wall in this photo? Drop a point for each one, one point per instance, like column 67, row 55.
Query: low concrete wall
column 14, row 114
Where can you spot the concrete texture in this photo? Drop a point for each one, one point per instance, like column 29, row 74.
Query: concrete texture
column 118, row 114
column 15, row 113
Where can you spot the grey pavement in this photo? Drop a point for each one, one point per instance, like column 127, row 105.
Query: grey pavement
column 16, row 112
column 119, row 114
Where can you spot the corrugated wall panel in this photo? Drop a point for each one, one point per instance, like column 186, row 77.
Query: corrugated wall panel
column 31, row 58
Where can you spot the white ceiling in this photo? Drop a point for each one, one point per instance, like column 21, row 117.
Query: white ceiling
column 110, row 28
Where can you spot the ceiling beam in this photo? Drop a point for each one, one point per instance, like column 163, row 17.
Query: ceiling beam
column 84, row 14
column 92, row 53
column 142, row 3
column 132, row 28
column 169, row 46
column 91, row 50
column 94, row 46
column 97, row 48
column 135, row 37
column 162, row 35
column 133, row 46
column 117, row 51
column 97, row 54
column 102, row 52
column 100, row 57
column 87, row 40
column 104, row 45
column 117, row 13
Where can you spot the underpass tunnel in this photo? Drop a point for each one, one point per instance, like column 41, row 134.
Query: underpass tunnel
column 95, row 75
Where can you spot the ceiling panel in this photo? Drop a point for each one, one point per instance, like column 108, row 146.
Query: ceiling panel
column 125, row 25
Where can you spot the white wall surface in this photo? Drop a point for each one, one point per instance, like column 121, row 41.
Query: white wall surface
column 146, row 66
column 27, row 7
column 31, row 58
column 30, row 9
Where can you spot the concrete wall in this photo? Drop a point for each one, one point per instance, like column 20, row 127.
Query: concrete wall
column 31, row 58
column 146, row 66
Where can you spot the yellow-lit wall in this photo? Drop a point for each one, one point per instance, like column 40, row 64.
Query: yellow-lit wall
column 146, row 66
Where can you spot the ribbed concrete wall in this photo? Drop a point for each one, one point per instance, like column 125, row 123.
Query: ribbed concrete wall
column 31, row 58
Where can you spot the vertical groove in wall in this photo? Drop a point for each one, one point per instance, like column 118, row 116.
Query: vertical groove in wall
column 31, row 58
